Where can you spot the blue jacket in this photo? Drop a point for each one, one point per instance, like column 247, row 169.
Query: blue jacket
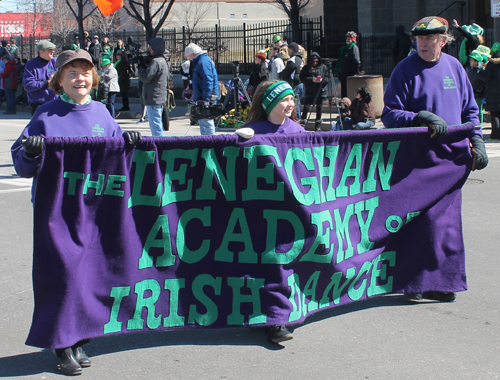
column 205, row 79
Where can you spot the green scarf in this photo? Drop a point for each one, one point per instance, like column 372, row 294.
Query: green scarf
column 66, row 98
column 343, row 49
column 116, row 63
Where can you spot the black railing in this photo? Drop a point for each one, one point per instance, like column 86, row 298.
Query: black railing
column 226, row 44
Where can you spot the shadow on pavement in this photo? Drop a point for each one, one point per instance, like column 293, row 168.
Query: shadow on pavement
column 43, row 360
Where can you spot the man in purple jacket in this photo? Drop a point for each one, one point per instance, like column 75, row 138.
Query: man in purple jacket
column 37, row 74
column 430, row 88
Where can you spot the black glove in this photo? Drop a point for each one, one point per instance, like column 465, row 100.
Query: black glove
column 33, row 145
column 478, row 150
column 131, row 137
column 437, row 126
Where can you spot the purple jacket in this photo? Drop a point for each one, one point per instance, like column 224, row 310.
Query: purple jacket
column 58, row 118
column 35, row 80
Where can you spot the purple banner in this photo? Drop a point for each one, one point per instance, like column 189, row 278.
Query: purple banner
column 220, row 231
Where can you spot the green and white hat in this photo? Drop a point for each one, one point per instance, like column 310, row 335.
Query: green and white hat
column 274, row 94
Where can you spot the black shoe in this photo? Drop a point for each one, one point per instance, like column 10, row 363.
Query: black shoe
column 414, row 297
column 81, row 357
column 66, row 362
column 317, row 125
column 278, row 334
column 432, row 295
column 440, row 296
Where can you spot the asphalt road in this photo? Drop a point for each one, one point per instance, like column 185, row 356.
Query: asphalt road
column 383, row 338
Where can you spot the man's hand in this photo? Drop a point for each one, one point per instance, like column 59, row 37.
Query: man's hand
column 132, row 137
column 437, row 126
column 455, row 23
column 478, row 150
column 33, row 145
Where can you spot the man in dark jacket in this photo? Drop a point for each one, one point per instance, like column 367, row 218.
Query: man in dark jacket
column 95, row 50
column 123, row 68
column 401, row 45
column 154, row 75
column 349, row 62
column 291, row 73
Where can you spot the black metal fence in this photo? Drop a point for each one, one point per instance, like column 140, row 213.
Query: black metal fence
column 226, row 44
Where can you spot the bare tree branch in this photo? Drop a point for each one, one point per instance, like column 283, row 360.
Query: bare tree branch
column 141, row 11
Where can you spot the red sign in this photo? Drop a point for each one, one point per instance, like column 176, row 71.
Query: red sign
column 24, row 23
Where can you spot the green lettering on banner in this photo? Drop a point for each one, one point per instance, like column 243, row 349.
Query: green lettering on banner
column 248, row 255
column 337, row 289
column 73, row 177
column 322, row 238
column 367, row 205
column 212, row 313
column 294, row 284
column 356, row 293
column 185, row 254
column 305, row 156
column 390, row 227
column 252, row 192
column 142, row 159
column 118, row 293
column 375, row 288
column 97, row 185
column 173, row 285
column 356, row 158
column 112, row 186
column 161, row 227
column 326, row 171
column 254, row 284
column 152, row 321
column 411, row 215
column 310, row 292
column 342, row 231
column 384, row 172
column 227, row 183
column 270, row 256
column 171, row 157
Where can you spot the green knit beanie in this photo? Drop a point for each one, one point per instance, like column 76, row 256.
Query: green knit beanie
column 274, row 94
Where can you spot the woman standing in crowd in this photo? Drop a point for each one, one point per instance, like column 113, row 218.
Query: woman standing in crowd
column 107, row 49
column 123, row 69
column 110, row 77
column 313, row 76
column 72, row 114
column 259, row 73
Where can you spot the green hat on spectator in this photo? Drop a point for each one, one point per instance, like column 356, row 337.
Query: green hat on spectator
column 105, row 60
column 473, row 29
column 495, row 48
column 277, row 38
column 477, row 56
